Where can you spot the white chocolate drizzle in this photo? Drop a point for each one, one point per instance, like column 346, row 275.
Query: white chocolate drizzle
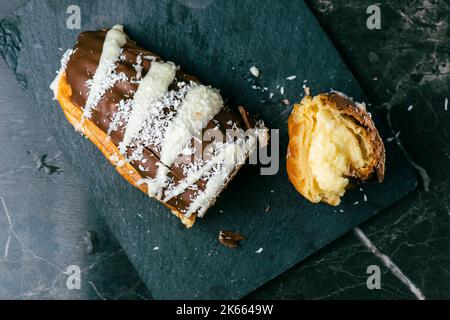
column 114, row 41
column 199, row 106
column 121, row 116
column 64, row 60
column 196, row 173
column 161, row 115
column 151, row 88
column 231, row 155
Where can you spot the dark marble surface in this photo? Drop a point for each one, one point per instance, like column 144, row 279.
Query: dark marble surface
column 408, row 58
column 36, row 188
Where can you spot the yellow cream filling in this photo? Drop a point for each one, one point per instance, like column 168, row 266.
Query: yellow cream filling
column 333, row 151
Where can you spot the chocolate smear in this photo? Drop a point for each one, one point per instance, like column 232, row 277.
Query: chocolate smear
column 230, row 239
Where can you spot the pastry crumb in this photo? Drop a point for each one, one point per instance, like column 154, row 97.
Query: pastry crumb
column 307, row 90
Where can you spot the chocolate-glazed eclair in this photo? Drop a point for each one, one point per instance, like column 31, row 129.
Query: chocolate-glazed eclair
column 165, row 132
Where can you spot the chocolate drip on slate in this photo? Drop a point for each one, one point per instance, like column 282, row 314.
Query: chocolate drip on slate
column 230, row 239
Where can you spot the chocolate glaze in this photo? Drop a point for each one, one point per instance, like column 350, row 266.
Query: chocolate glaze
column 82, row 66
column 359, row 114
column 230, row 239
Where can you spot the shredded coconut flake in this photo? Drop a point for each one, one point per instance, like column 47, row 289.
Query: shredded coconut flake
column 161, row 114
column 254, row 71
column 121, row 116
column 106, row 85
column 138, row 67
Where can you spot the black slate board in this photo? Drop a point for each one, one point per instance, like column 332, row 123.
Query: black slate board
column 218, row 41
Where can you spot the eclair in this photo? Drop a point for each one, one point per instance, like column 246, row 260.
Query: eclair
column 333, row 144
column 166, row 133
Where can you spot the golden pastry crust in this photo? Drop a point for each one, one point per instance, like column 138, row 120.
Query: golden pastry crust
column 105, row 145
column 332, row 142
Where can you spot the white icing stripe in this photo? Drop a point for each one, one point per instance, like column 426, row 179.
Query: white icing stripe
column 194, row 177
column 199, row 106
column 215, row 183
column 150, row 185
column 160, row 181
column 152, row 87
column 207, row 167
column 114, row 41
column 55, row 84
column 232, row 155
